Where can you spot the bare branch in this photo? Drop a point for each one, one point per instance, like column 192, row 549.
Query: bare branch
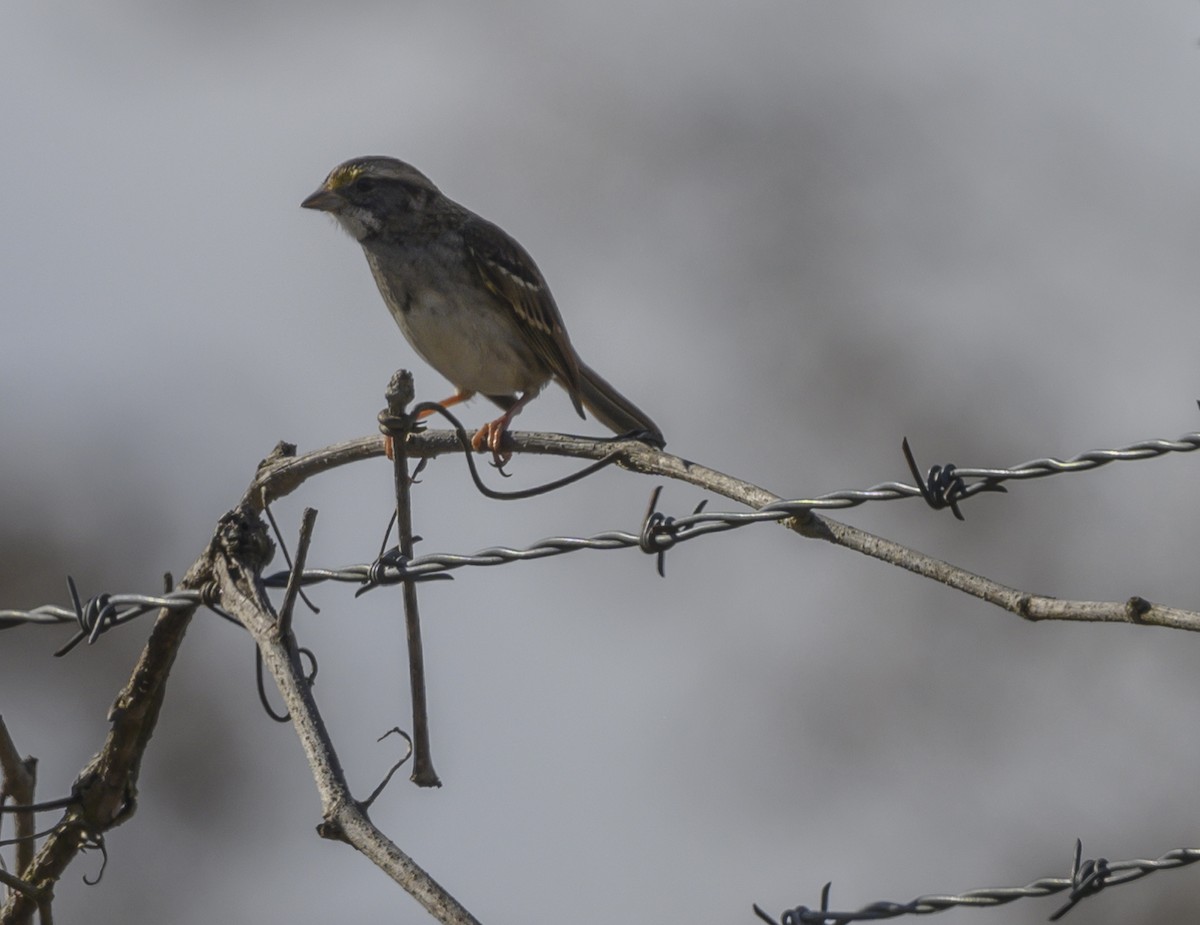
column 19, row 785
column 399, row 394
column 308, row 521
column 242, row 542
column 106, row 789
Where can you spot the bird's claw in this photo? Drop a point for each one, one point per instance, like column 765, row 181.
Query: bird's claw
column 491, row 437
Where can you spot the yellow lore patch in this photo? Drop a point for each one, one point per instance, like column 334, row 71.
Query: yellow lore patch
column 343, row 176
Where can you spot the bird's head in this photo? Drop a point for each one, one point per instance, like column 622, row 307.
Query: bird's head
column 370, row 195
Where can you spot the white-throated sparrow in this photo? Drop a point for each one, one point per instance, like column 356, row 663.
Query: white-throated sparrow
column 467, row 296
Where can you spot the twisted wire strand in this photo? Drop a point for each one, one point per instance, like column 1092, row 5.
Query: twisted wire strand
column 119, row 608
column 701, row 523
column 1033, row 469
column 1092, row 459
column 1086, row 880
column 658, row 535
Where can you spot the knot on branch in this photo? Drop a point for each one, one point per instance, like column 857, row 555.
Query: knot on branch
column 244, row 540
column 396, row 422
column 1137, row 608
column 282, row 450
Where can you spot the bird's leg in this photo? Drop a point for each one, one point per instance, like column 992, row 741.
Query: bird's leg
column 458, row 397
column 491, row 435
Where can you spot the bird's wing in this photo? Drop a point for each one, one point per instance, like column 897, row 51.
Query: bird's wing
column 508, row 271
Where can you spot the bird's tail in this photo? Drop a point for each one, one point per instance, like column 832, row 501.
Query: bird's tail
column 614, row 410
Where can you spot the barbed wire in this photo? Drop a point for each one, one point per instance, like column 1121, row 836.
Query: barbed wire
column 103, row 612
column 945, row 486
column 1088, row 877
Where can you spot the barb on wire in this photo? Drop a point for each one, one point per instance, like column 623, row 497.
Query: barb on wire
column 1087, row 878
column 1082, row 462
column 658, row 531
column 101, row 613
column 390, row 568
column 105, row 611
column 944, row 487
column 991, row 478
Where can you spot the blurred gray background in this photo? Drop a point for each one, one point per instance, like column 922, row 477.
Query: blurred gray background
column 794, row 232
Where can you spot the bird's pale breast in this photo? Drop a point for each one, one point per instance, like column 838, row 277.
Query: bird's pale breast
column 466, row 336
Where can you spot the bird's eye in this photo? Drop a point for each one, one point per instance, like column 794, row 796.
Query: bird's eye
column 364, row 184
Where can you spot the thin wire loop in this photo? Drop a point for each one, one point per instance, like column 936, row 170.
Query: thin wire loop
column 469, row 454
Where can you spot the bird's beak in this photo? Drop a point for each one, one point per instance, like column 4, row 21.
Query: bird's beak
column 324, row 200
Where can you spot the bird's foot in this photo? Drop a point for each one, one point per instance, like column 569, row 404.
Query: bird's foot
column 491, row 437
